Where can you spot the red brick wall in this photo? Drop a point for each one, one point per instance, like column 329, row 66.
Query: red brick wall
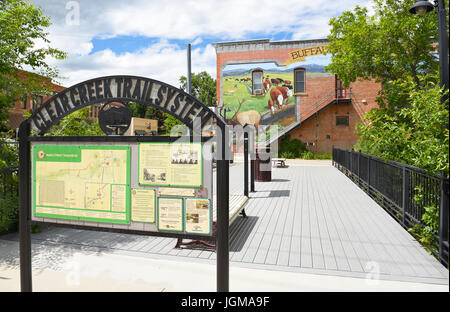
column 16, row 113
column 317, row 128
column 316, row 89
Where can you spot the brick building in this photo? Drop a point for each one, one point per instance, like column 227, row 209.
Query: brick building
column 316, row 110
column 28, row 102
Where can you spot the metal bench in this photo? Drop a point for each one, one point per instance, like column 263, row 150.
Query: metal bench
column 279, row 162
column 236, row 207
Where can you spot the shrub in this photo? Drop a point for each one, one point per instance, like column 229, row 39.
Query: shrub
column 288, row 155
column 9, row 203
column 307, row 155
column 293, row 148
column 323, row 156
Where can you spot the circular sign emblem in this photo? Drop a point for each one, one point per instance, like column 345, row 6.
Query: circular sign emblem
column 114, row 118
column 41, row 154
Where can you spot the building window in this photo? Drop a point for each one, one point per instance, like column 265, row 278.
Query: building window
column 257, row 82
column 299, row 80
column 341, row 120
column 36, row 102
column 24, row 101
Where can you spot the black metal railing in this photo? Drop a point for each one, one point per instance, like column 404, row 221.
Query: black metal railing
column 9, row 195
column 404, row 191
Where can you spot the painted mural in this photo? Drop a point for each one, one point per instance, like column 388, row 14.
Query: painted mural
column 264, row 93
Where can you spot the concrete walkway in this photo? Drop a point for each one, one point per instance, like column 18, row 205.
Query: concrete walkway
column 309, row 229
column 63, row 268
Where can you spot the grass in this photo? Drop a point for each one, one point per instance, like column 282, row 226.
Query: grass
column 235, row 91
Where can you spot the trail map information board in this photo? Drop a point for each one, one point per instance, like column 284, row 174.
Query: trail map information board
column 165, row 164
column 198, row 215
column 89, row 182
column 170, row 214
column 143, row 205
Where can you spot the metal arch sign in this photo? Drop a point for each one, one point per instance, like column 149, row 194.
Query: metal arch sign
column 120, row 88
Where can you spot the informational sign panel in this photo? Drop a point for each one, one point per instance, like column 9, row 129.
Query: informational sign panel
column 143, row 203
column 82, row 182
column 198, row 215
column 170, row 164
column 145, row 186
column 170, row 214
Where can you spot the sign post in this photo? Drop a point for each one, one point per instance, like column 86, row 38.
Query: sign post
column 222, row 240
column 25, row 209
column 192, row 183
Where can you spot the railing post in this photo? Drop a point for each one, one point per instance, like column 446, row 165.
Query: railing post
column 369, row 160
column 443, row 218
column 332, row 155
column 351, row 162
column 359, row 168
column 405, row 194
column 246, row 163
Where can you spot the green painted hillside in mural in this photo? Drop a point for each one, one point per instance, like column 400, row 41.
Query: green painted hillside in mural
column 265, row 94
column 238, row 89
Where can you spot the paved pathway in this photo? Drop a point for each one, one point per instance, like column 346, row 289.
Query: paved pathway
column 309, row 219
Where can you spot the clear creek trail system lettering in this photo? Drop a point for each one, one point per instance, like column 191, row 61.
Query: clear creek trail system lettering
column 151, row 92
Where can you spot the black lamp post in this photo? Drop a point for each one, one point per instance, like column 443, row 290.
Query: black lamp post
column 422, row 7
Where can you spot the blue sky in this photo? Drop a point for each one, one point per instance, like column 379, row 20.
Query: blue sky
column 148, row 38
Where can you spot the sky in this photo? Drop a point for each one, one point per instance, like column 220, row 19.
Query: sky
column 148, row 38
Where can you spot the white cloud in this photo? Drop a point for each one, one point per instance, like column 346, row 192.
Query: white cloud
column 162, row 61
column 197, row 41
column 190, row 20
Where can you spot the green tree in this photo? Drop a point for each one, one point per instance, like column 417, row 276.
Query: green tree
column 77, row 124
column 144, row 111
column 137, row 109
column 397, row 49
column 170, row 122
column 389, row 45
column 203, row 87
column 9, row 153
column 155, row 114
column 415, row 134
column 21, row 27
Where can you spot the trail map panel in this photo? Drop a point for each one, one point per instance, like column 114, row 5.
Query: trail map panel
column 87, row 182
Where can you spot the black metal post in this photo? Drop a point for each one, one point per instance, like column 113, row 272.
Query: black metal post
column 252, row 175
column 351, row 162
column 359, row 168
column 252, row 148
column 443, row 47
column 222, row 247
column 188, row 81
column 24, row 208
column 245, row 163
column 405, row 194
column 333, row 156
column 443, row 218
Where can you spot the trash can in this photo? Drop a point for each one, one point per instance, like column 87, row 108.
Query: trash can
column 263, row 164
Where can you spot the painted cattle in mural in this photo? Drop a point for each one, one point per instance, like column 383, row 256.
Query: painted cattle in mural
column 279, row 95
column 267, row 85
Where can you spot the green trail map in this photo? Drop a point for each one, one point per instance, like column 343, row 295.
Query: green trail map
column 82, row 182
